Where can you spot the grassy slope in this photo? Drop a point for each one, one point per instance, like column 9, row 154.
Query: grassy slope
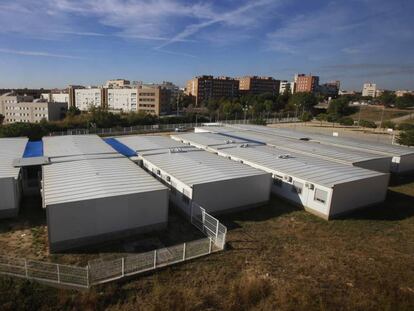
column 278, row 257
column 373, row 113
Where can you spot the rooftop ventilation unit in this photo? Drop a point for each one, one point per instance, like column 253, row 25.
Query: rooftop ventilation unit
column 244, row 145
column 229, row 141
column 176, row 150
column 285, row 156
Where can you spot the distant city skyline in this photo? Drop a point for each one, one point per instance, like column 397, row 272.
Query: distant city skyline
column 54, row 43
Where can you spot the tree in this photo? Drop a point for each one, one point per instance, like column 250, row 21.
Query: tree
column 339, row 107
column 302, row 100
column 405, row 101
column 321, row 117
column 406, row 138
column 73, row 111
column 387, row 98
column 306, row 116
column 1, row 119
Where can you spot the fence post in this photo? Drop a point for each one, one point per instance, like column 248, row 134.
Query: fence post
column 58, row 273
column 87, row 277
column 123, row 266
column 184, row 249
column 209, row 247
column 25, row 268
column 155, row 259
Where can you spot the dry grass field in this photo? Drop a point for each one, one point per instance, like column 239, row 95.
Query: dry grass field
column 278, row 258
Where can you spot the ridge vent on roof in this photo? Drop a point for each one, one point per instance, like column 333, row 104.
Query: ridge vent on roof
column 176, row 150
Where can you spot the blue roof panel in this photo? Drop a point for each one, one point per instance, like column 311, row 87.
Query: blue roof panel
column 33, row 149
column 120, row 147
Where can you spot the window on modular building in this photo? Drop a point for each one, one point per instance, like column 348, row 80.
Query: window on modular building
column 321, row 196
column 297, row 187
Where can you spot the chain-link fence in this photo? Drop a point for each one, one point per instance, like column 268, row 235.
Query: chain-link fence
column 103, row 271
column 140, row 129
column 45, row 271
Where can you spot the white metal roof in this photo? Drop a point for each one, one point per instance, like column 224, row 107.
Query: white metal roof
column 330, row 152
column 315, row 170
column 85, row 167
column 11, row 149
column 368, row 146
column 87, row 179
column 191, row 165
column 75, row 145
column 144, row 144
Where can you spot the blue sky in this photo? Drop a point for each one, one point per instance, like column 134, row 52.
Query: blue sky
column 53, row 43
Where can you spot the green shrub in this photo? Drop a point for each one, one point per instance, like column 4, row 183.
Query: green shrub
column 405, row 126
column 368, row 124
column 346, row 121
column 406, row 138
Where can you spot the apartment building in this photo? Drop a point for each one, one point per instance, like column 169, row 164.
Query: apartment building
column 306, row 83
column 369, row 89
column 153, row 100
column 11, row 98
column 401, row 93
column 124, row 99
column 204, row 88
column 286, row 85
column 62, row 97
column 89, row 97
column 117, row 83
column 258, row 85
column 33, row 112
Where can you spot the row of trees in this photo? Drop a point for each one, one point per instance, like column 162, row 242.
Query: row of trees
column 389, row 99
column 258, row 105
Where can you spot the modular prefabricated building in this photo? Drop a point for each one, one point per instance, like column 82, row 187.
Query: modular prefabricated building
column 194, row 175
column 402, row 156
column 93, row 194
column 324, row 188
column 10, row 176
column 359, row 158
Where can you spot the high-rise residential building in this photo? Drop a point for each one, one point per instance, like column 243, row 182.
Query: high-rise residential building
column 204, row 88
column 32, row 112
column 115, row 83
column 258, row 85
column 90, row 97
column 306, row 83
column 286, row 85
column 153, row 100
column 369, row 89
column 124, row 99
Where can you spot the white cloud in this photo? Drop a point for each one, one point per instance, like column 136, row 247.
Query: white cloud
column 37, row 54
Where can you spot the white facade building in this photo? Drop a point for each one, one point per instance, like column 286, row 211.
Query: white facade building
column 56, row 97
column 93, row 194
column 369, row 89
column 193, row 175
column 122, row 99
column 323, row 188
column 284, row 85
column 10, row 176
column 89, row 97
